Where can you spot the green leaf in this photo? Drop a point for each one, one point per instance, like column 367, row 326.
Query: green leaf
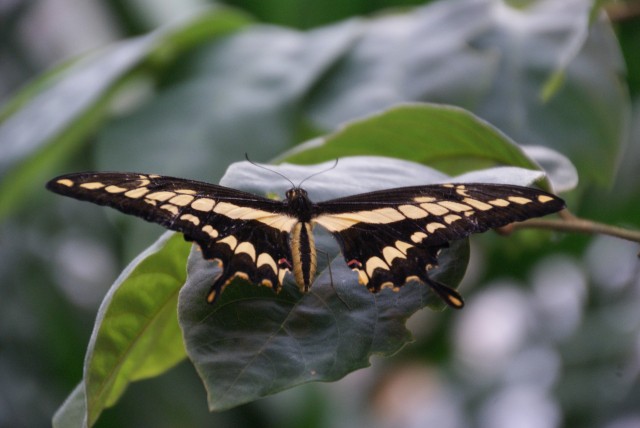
column 253, row 343
column 70, row 103
column 136, row 334
column 445, row 137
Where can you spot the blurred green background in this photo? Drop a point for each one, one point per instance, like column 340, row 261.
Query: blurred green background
column 550, row 336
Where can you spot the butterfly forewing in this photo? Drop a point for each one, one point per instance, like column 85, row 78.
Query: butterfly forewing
column 248, row 234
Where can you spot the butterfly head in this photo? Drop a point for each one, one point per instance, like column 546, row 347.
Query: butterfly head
column 299, row 202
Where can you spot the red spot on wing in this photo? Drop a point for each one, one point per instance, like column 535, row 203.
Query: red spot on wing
column 353, row 264
column 284, row 263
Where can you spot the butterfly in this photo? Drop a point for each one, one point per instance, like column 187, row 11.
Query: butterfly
column 388, row 237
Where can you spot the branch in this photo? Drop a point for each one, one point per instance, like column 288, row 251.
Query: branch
column 571, row 223
column 623, row 11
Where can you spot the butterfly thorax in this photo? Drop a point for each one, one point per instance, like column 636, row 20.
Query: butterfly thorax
column 303, row 250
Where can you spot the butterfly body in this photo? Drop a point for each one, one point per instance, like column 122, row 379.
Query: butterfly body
column 388, row 237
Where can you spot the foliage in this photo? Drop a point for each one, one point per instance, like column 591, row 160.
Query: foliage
column 452, row 85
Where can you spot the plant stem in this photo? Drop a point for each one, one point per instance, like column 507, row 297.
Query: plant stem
column 570, row 223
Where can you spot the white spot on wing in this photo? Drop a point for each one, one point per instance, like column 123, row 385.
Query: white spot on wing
column 115, row 189
column 266, row 259
column 403, row 246
column 477, row 204
column 390, row 253
column 418, row 237
column 247, row 248
column 181, row 200
column 411, row 211
column 461, row 190
column 375, row 262
column 432, row 227
column 386, row 215
column 499, row 202
column 277, row 221
column 362, row 277
column 209, row 230
column 451, row 218
column 203, row 204
column 171, row 208
column 160, row 196
column 519, row 200
column 333, row 223
column 191, row 218
column 455, row 206
column 338, row 222
column 230, row 240
column 137, row 193
column 92, row 185
column 434, row 208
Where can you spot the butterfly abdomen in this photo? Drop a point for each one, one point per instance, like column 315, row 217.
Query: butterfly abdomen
column 303, row 252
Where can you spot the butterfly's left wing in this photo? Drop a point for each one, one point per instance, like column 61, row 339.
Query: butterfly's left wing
column 393, row 236
column 247, row 233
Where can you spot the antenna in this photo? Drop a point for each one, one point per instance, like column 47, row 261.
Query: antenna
column 246, row 155
column 320, row 172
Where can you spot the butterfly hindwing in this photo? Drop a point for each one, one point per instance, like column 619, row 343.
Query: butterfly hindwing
column 392, row 236
column 248, row 234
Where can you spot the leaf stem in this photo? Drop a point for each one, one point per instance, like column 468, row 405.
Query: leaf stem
column 568, row 222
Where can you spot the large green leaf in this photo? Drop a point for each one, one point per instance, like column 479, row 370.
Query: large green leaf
column 52, row 117
column 253, row 343
column 136, row 334
column 445, row 137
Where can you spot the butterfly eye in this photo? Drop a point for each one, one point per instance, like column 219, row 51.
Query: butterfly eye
column 296, row 193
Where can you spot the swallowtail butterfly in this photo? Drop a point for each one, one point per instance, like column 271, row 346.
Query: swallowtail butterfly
column 389, row 237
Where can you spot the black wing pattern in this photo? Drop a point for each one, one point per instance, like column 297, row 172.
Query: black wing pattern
column 248, row 234
column 393, row 236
